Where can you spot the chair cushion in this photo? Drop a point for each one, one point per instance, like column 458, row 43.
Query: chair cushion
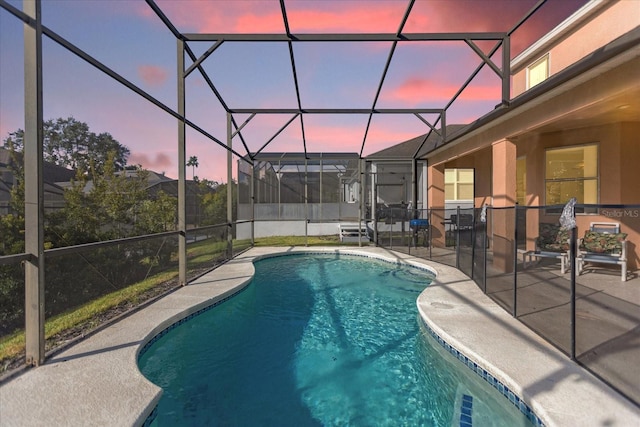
column 603, row 243
column 553, row 238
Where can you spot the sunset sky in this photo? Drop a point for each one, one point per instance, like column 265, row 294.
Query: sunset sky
column 128, row 37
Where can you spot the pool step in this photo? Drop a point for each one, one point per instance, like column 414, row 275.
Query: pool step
column 463, row 408
column 466, row 411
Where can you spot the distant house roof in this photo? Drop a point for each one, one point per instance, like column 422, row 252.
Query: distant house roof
column 152, row 177
column 5, row 157
column 51, row 172
column 407, row 149
column 53, row 193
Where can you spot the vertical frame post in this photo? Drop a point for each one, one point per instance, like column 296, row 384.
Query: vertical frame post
column 320, row 210
column 430, row 216
column 229, row 188
column 253, row 205
column 414, row 186
column 306, row 203
column 572, row 252
column 361, row 206
column 515, row 261
column 473, row 242
column 458, row 237
column 34, row 187
column 374, row 202
column 443, row 130
column 182, row 170
column 506, row 70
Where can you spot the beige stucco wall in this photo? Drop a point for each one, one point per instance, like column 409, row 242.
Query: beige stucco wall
column 582, row 40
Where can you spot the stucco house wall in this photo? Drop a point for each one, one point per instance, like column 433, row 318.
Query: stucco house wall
column 587, row 30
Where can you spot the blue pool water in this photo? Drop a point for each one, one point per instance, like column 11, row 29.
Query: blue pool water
column 318, row 340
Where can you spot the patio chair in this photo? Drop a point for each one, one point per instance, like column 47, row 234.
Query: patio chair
column 603, row 243
column 465, row 222
column 460, row 226
column 552, row 242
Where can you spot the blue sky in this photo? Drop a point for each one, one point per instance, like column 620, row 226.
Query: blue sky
column 126, row 36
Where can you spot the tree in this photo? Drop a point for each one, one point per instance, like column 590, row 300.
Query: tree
column 77, row 222
column 214, row 204
column 117, row 198
column 102, row 203
column 193, row 162
column 69, row 143
column 157, row 215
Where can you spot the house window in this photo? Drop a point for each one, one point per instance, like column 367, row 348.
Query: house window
column 538, row 71
column 458, row 184
column 571, row 172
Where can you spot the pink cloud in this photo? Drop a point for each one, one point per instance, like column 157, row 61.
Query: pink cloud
column 221, row 17
column 383, row 17
column 348, row 138
column 335, row 138
column 481, row 93
column 257, row 17
column 465, row 15
column 416, row 90
column 159, row 163
column 153, row 75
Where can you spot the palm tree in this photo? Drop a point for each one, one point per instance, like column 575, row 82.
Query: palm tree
column 193, row 162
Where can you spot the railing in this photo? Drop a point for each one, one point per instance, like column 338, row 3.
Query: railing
column 87, row 284
column 593, row 317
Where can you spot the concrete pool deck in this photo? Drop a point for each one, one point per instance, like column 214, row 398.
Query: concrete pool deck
column 97, row 381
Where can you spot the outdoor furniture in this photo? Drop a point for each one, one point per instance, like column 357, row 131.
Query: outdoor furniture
column 459, row 226
column 420, row 225
column 465, row 222
column 603, row 244
column 552, row 242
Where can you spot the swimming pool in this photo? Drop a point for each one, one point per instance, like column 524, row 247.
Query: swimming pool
column 317, row 340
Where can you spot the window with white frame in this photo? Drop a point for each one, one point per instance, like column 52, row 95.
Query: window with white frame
column 538, row 71
column 458, row 184
column 571, row 172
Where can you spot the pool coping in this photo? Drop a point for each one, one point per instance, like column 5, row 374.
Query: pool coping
column 97, row 381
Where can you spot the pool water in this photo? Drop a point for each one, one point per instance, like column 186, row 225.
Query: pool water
column 315, row 340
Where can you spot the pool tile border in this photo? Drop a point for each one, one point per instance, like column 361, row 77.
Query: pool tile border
column 185, row 319
column 343, row 253
column 154, row 413
column 512, row 397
